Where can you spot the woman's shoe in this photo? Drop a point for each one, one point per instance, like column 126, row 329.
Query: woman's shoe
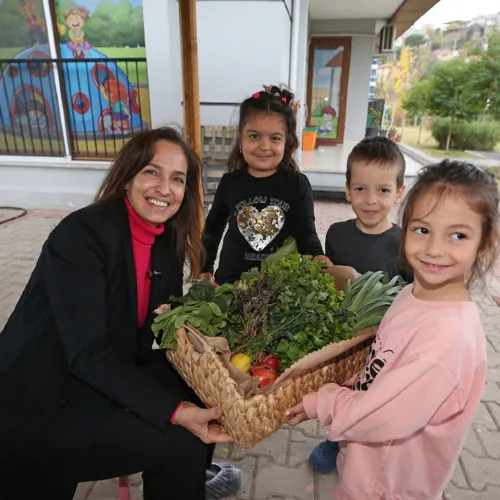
column 323, row 458
column 222, row 480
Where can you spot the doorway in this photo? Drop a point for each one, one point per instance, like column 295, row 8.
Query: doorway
column 328, row 77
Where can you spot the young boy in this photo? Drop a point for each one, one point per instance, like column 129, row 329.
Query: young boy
column 374, row 184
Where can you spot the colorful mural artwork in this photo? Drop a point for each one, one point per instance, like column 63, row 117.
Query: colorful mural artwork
column 104, row 85
column 326, row 85
column 106, row 94
column 29, row 115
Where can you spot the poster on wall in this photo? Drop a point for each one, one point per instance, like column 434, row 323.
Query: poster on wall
column 29, row 117
column 106, row 86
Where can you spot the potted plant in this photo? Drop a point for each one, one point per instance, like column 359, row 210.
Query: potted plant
column 399, row 137
column 393, row 133
column 373, row 122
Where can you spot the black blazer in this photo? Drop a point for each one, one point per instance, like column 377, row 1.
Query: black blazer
column 72, row 346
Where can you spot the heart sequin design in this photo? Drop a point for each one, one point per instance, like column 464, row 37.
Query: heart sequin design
column 259, row 228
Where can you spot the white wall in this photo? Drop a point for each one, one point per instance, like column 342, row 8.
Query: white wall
column 163, row 53
column 362, row 50
column 59, row 186
column 241, row 46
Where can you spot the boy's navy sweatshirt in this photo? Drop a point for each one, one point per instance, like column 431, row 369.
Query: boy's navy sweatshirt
column 262, row 212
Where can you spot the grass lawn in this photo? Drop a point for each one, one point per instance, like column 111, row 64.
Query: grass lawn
column 8, row 53
column 429, row 146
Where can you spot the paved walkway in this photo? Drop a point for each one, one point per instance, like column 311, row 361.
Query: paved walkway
column 277, row 467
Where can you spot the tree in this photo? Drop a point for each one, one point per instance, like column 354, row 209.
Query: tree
column 415, row 40
column 484, row 84
column 397, row 80
column 416, row 102
column 448, row 93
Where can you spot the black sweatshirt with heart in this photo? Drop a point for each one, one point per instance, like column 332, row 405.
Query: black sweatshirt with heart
column 261, row 213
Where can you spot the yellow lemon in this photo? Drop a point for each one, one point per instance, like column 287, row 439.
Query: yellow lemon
column 241, row 362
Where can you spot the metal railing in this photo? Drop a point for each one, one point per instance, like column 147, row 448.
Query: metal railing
column 102, row 102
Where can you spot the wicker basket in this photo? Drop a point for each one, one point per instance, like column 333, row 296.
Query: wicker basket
column 250, row 419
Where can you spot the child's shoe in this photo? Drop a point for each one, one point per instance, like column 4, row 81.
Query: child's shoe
column 323, row 458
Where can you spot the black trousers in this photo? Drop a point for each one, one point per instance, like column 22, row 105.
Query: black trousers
column 173, row 463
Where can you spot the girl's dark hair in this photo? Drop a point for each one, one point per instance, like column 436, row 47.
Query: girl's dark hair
column 275, row 100
column 480, row 191
column 188, row 221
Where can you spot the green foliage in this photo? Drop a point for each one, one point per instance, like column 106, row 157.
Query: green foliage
column 209, row 310
column 448, row 90
column 415, row 40
column 476, row 135
column 416, row 100
column 289, row 308
column 484, row 83
column 303, row 316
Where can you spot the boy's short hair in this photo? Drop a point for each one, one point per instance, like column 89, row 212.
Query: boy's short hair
column 379, row 150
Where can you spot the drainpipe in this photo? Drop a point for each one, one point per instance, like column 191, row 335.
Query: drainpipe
column 292, row 82
column 55, row 72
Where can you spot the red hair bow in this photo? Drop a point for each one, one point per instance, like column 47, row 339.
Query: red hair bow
column 256, row 95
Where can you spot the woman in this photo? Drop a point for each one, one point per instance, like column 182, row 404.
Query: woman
column 83, row 396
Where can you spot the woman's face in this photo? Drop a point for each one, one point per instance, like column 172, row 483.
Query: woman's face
column 156, row 192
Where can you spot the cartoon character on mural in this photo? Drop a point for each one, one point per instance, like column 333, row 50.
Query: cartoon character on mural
column 325, row 125
column 75, row 18
column 30, row 111
column 36, row 25
column 116, row 94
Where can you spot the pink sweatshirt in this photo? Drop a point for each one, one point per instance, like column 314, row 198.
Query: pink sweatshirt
column 402, row 426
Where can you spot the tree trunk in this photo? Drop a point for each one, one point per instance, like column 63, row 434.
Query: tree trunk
column 420, row 128
column 448, row 139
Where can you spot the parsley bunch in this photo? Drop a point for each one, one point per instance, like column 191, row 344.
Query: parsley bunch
column 300, row 310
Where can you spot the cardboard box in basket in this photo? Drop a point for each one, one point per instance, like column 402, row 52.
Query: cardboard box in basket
column 251, row 413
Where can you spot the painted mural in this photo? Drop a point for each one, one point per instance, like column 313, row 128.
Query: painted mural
column 105, row 89
column 106, row 98
column 327, row 67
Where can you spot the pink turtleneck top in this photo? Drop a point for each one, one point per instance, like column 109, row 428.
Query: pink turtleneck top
column 143, row 237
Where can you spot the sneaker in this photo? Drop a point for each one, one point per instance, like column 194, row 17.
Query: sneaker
column 222, row 480
column 323, row 458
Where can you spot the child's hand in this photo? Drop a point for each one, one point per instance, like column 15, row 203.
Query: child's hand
column 297, row 414
column 209, row 277
column 323, row 258
column 342, row 275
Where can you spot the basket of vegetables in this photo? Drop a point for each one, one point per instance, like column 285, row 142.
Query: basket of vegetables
column 256, row 347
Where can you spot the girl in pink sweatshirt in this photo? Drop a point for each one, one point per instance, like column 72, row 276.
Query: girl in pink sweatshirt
column 402, row 423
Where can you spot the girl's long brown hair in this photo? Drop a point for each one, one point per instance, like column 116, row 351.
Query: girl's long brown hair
column 188, row 221
column 478, row 188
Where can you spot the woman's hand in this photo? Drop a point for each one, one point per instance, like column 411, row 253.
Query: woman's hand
column 297, row 414
column 199, row 421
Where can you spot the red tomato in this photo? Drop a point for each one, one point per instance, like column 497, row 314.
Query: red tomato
column 273, row 361
column 265, row 373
